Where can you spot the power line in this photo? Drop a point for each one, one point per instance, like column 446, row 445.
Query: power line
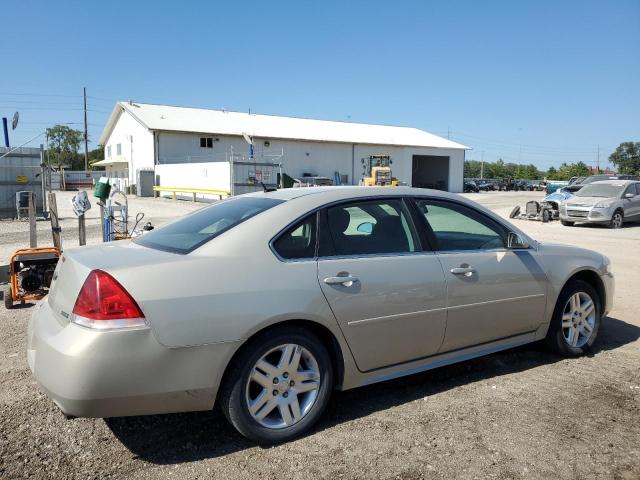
column 517, row 144
column 41, row 95
column 38, row 102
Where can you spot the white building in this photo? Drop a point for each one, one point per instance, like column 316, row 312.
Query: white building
column 191, row 148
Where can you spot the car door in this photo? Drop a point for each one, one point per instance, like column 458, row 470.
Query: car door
column 492, row 292
column 386, row 294
column 632, row 205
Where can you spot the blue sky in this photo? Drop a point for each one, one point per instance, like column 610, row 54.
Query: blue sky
column 536, row 81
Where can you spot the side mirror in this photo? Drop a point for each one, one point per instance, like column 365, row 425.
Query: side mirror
column 629, row 195
column 515, row 241
column 366, row 227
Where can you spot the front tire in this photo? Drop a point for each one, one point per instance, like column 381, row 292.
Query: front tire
column 576, row 320
column 278, row 386
column 617, row 220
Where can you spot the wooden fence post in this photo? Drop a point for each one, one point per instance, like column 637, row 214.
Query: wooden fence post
column 33, row 235
column 55, row 224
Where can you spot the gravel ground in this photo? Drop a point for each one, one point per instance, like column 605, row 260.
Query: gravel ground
column 523, row 413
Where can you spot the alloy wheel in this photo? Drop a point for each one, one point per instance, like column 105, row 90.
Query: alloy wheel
column 616, row 221
column 283, row 386
column 578, row 319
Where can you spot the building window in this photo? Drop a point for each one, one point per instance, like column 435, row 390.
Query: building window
column 206, row 142
column 118, row 149
column 109, row 151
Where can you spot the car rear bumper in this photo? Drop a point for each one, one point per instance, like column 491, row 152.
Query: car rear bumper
column 118, row 373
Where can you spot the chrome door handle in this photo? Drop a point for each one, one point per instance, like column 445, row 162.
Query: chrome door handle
column 466, row 271
column 346, row 281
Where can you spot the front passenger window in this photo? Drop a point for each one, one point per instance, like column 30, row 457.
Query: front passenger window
column 459, row 228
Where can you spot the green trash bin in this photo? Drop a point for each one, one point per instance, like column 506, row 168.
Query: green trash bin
column 102, row 190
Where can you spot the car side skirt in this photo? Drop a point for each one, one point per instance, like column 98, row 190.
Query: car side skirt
column 357, row 379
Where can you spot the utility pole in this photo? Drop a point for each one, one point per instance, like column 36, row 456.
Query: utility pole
column 598, row 161
column 86, row 139
column 482, row 167
column 448, row 132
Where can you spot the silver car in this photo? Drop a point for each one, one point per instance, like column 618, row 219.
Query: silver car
column 609, row 202
column 265, row 303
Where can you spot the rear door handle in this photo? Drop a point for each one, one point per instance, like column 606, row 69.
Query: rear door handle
column 346, row 281
column 466, row 271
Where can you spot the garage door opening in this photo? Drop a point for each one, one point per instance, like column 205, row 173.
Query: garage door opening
column 430, row 171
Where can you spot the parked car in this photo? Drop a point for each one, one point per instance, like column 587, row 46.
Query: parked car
column 469, row 186
column 582, row 181
column 538, row 185
column 266, row 302
column 610, row 202
column 506, row 185
column 484, row 185
column 555, row 185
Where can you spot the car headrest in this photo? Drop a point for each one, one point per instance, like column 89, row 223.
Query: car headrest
column 339, row 220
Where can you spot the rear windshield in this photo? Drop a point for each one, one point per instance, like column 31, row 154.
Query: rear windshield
column 190, row 232
column 600, row 190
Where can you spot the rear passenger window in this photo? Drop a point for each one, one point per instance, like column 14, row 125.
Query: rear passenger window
column 370, row 227
column 299, row 241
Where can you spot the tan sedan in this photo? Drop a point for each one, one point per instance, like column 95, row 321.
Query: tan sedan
column 265, row 303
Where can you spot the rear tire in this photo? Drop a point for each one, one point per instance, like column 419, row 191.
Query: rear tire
column 566, row 224
column 514, row 213
column 576, row 320
column 241, row 389
column 8, row 300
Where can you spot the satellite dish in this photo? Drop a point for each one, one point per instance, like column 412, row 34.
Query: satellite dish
column 247, row 138
column 14, row 122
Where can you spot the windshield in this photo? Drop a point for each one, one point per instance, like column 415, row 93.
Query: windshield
column 606, row 190
column 194, row 230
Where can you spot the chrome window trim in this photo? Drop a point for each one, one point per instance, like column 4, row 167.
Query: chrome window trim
column 424, row 248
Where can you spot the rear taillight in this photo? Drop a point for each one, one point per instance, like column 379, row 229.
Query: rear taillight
column 104, row 304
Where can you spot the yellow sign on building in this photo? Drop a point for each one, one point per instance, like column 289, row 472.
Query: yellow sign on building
column 22, row 178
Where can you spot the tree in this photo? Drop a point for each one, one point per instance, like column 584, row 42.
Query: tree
column 63, row 146
column 568, row 170
column 627, row 158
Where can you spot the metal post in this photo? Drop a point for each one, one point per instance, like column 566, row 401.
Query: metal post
column 231, row 173
column 43, row 181
column 104, row 239
column 86, row 137
column 82, row 233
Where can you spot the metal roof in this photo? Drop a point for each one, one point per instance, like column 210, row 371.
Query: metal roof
column 221, row 122
column 110, row 161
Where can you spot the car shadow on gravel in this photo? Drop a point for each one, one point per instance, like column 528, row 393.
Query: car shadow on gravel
column 186, row 437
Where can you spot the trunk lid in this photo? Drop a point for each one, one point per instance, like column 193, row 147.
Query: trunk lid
column 76, row 264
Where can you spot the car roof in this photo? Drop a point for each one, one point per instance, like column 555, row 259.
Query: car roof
column 333, row 193
column 614, row 182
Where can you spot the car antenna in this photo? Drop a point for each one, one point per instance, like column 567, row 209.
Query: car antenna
column 268, row 189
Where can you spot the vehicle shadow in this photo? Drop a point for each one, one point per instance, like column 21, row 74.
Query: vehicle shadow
column 186, row 437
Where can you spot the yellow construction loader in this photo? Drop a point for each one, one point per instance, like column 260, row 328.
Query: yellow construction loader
column 379, row 172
